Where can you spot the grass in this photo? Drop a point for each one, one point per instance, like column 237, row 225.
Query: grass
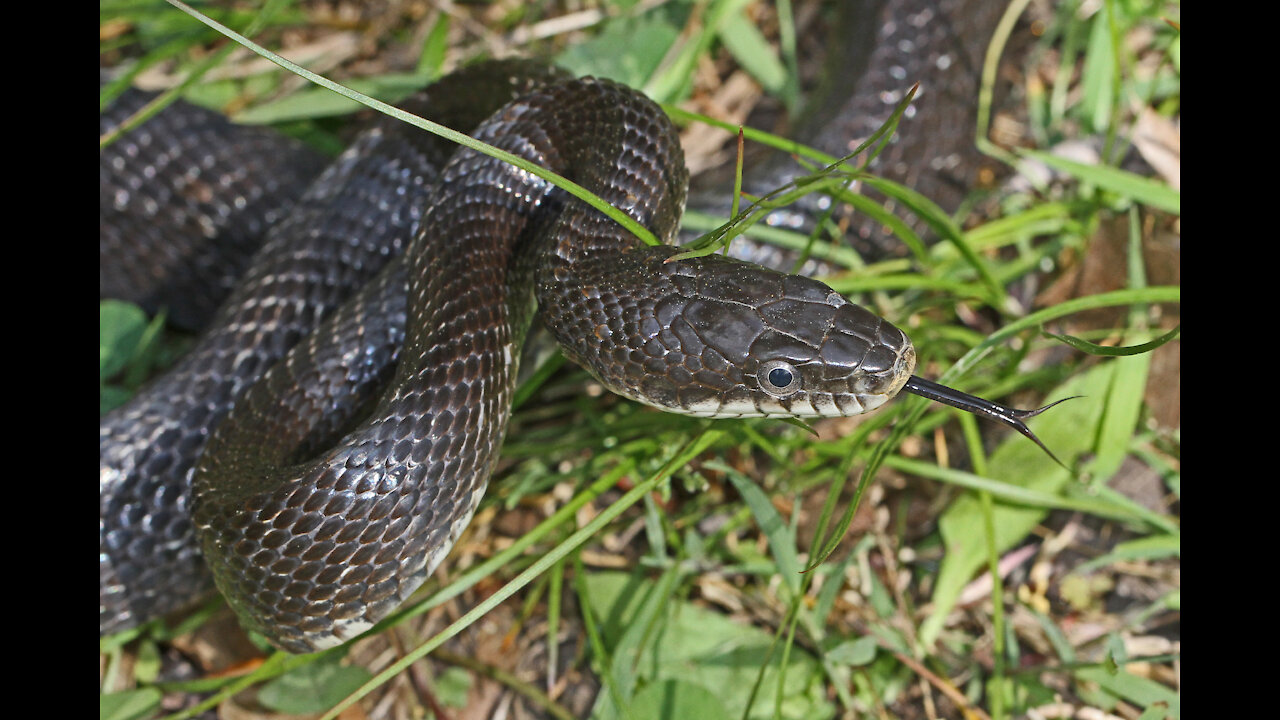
column 663, row 557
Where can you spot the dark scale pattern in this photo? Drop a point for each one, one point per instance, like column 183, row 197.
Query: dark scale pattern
column 313, row 542
column 313, row 546
column 356, row 217
column 180, row 245
column 321, row 503
column 313, row 553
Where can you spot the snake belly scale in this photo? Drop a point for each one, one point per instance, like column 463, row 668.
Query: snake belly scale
column 312, row 541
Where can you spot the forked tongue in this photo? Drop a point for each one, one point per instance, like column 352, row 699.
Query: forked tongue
column 983, row 408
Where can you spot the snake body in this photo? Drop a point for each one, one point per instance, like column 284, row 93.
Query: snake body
column 185, row 201
column 350, row 224
column 373, row 392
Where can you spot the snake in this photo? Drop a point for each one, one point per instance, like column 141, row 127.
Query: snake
column 325, row 442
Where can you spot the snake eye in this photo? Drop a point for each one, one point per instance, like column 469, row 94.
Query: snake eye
column 779, row 378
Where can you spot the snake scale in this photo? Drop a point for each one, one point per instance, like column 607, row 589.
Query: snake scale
column 329, row 437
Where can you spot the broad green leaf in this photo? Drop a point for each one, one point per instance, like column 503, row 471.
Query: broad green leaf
column 854, row 652
column 312, row 688
column 649, row 35
column 705, row 648
column 129, row 704
column 121, row 328
column 744, row 41
column 677, row 700
column 782, row 541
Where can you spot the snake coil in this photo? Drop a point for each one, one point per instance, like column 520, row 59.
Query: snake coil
column 372, row 346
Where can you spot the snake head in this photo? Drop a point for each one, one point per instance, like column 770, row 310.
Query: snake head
column 716, row 337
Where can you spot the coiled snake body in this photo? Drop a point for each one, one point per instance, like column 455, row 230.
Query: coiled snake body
column 313, row 540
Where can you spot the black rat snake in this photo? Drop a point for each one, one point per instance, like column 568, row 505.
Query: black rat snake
column 347, row 469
